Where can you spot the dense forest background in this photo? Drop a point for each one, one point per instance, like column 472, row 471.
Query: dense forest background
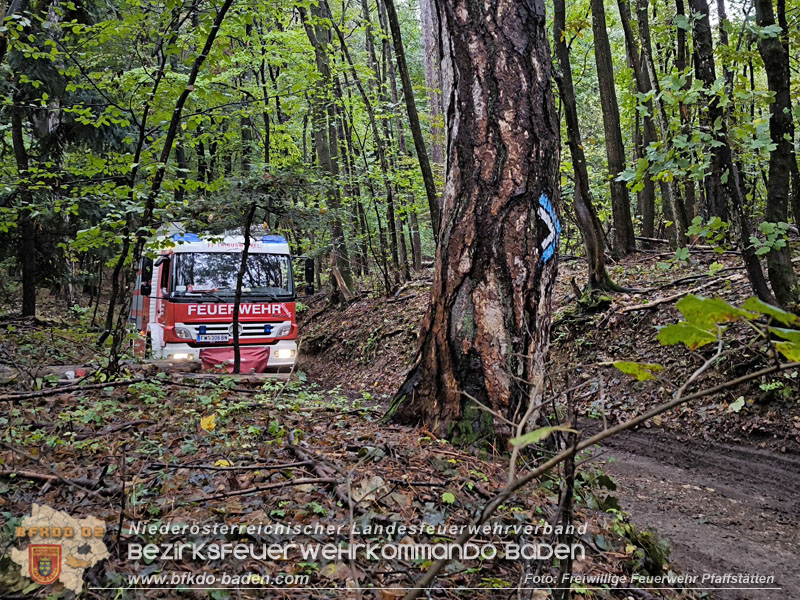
column 653, row 143
column 326, row 119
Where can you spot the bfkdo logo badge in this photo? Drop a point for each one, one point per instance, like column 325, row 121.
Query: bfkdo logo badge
column 56, row 548
column 45, row 562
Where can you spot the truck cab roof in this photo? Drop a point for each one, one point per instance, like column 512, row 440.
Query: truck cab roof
column 192, row 242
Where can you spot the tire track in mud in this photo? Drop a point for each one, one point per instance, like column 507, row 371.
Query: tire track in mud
column 725, row 508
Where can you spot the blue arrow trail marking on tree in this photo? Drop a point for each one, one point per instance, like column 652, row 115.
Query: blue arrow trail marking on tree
column 548, row 215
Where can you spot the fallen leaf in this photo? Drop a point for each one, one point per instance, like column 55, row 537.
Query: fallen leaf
column 208, row 423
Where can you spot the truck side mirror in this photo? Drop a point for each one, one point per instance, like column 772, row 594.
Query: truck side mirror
column 145, row 287
column 309, row 270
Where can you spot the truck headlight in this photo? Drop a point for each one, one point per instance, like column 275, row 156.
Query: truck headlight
column 183, row 332
column 179, row 356
column 283, row 330
column 285, row 353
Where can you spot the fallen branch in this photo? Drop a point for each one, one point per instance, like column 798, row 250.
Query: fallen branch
column 55, row 473
column 692, row 278
column 263, row 488
column 425, row 581
column 321, row 470
column 79, row 482
column 69, row 389
column 677, row 296
column 161, row 465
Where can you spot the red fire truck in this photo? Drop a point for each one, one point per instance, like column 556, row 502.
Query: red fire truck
column 184, row 302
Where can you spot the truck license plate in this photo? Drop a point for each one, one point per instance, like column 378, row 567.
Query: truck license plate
column 217, row 337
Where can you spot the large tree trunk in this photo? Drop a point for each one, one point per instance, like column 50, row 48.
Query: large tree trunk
column 624, row 237
column 781, row 129
column 585, row 214
column 486, row 332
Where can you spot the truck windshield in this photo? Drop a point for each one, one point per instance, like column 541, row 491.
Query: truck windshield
column 214, row 274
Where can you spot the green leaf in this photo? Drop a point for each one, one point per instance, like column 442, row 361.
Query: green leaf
column 707, row 312
column 714, row 268
column 769, row 31
column 737, row 405
column 790, row 350
column 682, row 254
column 793, row 335
column 532, row 437
column 685, row 333
column 448, row 498
column 642, row 371
column 776, row 313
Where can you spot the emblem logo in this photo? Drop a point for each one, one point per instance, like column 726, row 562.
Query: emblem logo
column 45, row 562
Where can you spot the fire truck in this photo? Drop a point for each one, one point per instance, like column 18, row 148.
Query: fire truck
column 184, row 302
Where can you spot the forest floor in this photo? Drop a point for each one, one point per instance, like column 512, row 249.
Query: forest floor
column 718, row 483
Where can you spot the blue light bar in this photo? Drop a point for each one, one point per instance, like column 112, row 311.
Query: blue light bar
column 186, row 237
column 273, row 239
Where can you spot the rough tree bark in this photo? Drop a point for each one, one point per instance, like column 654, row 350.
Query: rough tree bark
column 624, row 237
column 585, row 214
column 781, row 129
column 487, row 328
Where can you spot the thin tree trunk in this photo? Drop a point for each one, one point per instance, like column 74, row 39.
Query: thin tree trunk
column 119, row 335
column 27, row 226
column 237, row 301
column 183, row 171
column 433, row 76
column 325, row 138
column 711, row 118
column 644, row 73
column 624, row 237
column 781, row 129
column 795, row 197
column 681, row 55
column 723, row 190
column 413, row 118
column 487, row 328
column 416, row 240
column 202, row 165
column 585, row 214
column 647, row 195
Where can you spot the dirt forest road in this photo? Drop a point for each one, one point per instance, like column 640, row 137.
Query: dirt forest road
column 724, row 508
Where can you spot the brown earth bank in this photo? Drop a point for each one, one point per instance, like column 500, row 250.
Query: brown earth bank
column 719, row 484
